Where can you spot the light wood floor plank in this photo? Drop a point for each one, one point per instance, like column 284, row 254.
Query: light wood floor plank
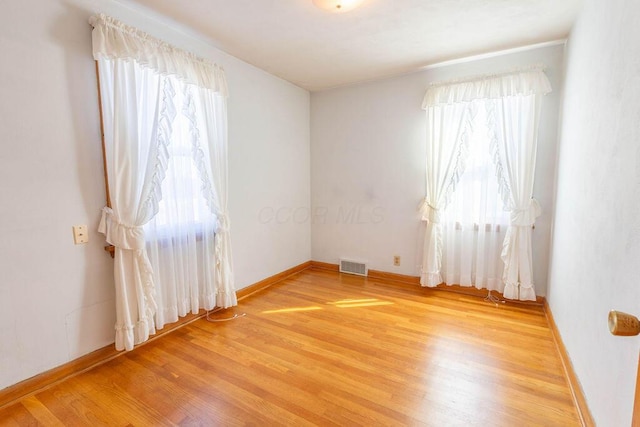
column 41, row 412
column 322, row 348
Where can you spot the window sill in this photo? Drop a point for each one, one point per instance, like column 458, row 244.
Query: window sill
column 488, row 227
column 112, row 249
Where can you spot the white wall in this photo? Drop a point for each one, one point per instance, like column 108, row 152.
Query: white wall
column 368, row 164
column 596, row 243
column 57, row 299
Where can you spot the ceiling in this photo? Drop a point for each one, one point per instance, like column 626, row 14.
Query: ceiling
column 317, row 50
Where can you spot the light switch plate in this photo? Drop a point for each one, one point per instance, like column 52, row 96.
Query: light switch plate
column 80, row 234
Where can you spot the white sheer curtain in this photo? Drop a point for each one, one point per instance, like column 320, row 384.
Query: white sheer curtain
column 475, row 222
column 514, row 121
column 213, row 158
column 152, row 130
column 447, row 140
column 181, row 237
column 512, row 105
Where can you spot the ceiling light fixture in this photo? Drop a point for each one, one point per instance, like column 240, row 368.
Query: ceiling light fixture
column 337, row 6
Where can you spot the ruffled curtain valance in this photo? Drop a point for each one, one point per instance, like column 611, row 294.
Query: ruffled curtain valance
column 518, row 83
column 114, row 39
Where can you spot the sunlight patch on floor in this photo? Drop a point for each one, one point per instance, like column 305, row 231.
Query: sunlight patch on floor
column 292, row 309
column 366, row 302
column 344, row 303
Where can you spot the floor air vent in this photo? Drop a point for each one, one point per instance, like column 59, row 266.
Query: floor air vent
column 353, row 267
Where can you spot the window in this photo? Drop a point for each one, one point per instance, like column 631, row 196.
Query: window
column 183, row 208
column 512, row 103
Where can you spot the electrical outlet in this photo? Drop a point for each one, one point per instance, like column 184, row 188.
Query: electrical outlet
column 80, row 234
column 396, row 260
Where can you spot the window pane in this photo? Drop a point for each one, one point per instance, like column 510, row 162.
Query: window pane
column 476, row 200
column 183, row 203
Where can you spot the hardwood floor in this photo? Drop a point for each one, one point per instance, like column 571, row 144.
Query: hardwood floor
column 327, row 349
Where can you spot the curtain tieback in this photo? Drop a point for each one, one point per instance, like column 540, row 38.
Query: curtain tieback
column 120, row 235
column 223, row 222
column 429, row 212
column 526, row 217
